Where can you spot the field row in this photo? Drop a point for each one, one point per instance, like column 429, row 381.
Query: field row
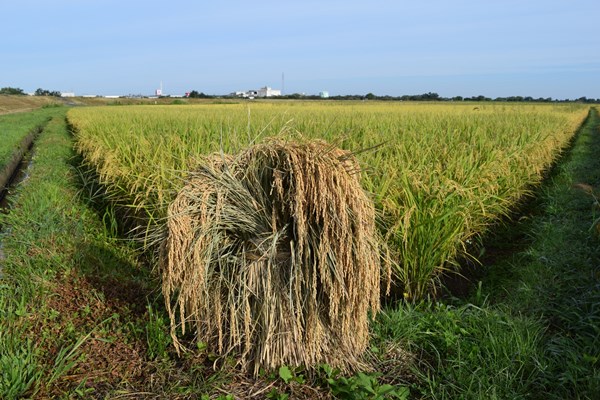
column 439, row 174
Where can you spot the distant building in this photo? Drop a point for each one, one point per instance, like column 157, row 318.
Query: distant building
column 267, row 92
column 67, row 94
column 262, row 92
column 324, row 94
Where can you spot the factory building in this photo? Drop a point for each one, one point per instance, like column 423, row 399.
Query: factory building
column 262, row 92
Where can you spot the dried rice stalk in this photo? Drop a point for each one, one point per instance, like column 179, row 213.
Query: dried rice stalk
column 272, row 257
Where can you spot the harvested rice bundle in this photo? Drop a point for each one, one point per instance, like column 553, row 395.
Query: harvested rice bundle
column 272, row 257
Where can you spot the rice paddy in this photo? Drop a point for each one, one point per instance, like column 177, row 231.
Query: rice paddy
column 439, row 175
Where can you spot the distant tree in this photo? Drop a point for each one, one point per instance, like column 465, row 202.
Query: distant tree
column 194, row 94
column 294, row 96
column 43, row 92
column 370, row 96
column 514, row 98
column 11, row 90
column 479, row 98
column 431, row 96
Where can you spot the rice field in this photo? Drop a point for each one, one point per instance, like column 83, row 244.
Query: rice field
column 439, row 174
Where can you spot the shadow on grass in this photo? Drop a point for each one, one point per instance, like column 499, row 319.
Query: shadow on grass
column 117, row 277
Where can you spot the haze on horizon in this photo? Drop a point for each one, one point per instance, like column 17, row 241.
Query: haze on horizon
column 459, row 48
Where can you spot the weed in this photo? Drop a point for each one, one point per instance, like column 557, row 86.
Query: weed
column 360, row 386
column 20, row 367
column 157, row 335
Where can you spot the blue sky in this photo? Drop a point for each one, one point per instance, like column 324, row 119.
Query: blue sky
column 494, row 48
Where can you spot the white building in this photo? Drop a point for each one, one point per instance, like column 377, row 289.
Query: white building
column 67, row 94
column 262, row 92
column 324, row 94
column 267, row 92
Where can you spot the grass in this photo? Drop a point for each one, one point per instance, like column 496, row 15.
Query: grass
column 18, row 104
column 466, row 351
column 559, row 272
column 15, row 127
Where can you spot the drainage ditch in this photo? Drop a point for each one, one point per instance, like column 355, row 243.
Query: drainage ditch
column 15, row 172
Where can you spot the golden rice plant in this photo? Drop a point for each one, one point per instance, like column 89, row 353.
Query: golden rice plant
column 440, row 174
column 272, row 257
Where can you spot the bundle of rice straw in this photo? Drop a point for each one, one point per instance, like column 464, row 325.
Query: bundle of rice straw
column 271, row 257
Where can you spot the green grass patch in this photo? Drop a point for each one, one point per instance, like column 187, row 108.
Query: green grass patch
column 14, row 127
column 466, row 351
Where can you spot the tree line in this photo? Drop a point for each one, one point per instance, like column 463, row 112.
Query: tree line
column 38, row 92
column 429, row 96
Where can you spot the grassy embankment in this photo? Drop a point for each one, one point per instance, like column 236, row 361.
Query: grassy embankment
column 58, row 305
column 21, row 103
column 16, row 133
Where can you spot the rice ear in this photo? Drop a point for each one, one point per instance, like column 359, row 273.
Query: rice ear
column 272, row 257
